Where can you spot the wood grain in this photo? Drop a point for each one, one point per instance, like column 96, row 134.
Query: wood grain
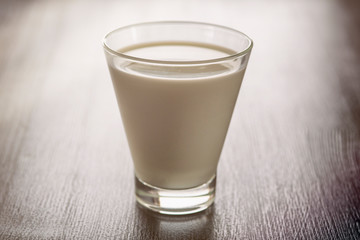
column 290, row 167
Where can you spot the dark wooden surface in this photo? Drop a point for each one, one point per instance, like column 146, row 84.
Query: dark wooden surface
column 290, row 167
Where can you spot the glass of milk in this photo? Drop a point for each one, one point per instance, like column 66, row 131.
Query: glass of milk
column 176, row 85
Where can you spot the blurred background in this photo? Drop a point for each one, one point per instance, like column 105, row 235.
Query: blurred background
column 290, row 166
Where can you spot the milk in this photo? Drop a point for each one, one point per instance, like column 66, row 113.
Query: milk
column 175, row 117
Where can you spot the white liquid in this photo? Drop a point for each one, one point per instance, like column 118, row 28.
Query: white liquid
column 176, row 119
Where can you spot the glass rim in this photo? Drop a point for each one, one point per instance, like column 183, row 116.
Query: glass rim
column 170, row 62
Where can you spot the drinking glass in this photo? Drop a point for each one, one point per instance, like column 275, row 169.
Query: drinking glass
column 176, row 85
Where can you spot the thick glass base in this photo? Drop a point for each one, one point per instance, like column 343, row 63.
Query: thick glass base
column 175, row 202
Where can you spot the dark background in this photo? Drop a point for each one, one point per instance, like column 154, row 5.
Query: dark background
column 290, row 167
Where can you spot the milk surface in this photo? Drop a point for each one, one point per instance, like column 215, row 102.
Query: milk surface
column 175, row 118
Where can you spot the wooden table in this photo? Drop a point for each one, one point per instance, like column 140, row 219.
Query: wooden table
column 290, row 167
